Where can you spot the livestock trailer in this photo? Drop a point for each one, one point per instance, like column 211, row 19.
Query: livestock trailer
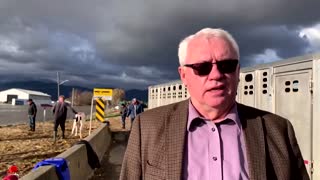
column 289, row 88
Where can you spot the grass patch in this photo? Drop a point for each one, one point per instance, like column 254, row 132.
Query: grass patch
column 113, row 115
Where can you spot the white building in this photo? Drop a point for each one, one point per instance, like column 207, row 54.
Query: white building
column 22, row 95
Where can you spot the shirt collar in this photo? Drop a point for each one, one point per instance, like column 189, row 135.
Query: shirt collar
column 193, row 114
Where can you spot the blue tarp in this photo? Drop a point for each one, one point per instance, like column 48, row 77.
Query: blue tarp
column 60, row 164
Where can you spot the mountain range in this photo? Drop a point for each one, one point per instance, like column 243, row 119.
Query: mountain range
column 51, row 89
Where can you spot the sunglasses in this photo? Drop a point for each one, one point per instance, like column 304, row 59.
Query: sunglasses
column 225, row 66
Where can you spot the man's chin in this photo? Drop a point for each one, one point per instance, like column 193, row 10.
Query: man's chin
column 216, row 102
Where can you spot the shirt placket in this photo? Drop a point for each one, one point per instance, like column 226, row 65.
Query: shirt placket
column 215, row 155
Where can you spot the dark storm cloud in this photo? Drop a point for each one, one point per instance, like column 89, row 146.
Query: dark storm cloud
column 133, row 44
column 286, row 42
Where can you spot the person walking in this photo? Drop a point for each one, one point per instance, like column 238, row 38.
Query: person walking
column 134, row 109
column 32, row 113
column 123, row 113
column 60, row 111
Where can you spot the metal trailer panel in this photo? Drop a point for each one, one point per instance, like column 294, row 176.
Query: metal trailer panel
column 162, row 96
column 158, row 97
column 181, row 92
column 169, row 94
column 316, row 119
column 186, row 93
column 247, row 88
column 151, row 98
column 284, row 62
column 155, row 98
column 263, row 89
column 293, row 102
column 295, row 66
column 239, row 94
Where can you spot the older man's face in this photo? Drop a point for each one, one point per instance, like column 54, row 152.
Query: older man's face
column 217, row 89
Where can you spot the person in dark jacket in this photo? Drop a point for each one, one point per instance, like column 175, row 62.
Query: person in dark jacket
column 134, row 109
column 60, row 111
column 123, row 112
column 32, row 113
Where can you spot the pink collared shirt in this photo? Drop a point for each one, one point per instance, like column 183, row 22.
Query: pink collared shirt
column 215, row 151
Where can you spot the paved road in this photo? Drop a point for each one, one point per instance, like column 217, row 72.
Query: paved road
column 111, row 164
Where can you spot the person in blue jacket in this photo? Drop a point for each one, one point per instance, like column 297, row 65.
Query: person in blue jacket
column 134, row 109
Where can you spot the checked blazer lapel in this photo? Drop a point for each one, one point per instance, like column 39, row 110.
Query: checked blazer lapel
column 177, row 126
column 255, row 143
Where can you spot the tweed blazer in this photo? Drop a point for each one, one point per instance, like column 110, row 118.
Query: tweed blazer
column 156, row 145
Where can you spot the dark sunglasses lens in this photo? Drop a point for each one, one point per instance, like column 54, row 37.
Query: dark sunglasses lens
column 227, row 66
column 202, row 69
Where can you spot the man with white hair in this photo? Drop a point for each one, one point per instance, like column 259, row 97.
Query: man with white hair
column 210, row 135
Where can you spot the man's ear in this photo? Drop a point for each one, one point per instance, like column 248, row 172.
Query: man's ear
column 182, row 73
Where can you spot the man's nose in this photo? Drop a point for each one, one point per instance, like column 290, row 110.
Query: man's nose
column 215, row 73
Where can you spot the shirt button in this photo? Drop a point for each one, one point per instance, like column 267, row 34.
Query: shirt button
column 213, row 129
column 215, row 158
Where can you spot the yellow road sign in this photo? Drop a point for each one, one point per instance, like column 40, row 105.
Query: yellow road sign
column 101, row 92
column 100, row 106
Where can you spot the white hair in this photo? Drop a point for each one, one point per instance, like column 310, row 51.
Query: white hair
column 208, row 33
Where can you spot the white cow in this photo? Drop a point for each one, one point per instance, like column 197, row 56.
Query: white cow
column 77, row 124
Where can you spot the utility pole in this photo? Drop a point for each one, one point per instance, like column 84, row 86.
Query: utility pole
column 72, row 100
column 58, row 83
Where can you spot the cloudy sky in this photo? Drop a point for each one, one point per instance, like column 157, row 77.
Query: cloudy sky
column 133, row 43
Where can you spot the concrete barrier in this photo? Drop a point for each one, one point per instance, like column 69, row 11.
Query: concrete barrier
column 76, row 157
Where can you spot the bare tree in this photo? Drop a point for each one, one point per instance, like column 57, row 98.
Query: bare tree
column 81, row 97
column 76, row 97
column 117, row 96
column 85, row 98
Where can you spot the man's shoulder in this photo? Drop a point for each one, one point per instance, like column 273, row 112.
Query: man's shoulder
column 166, row 110
column 269, row 118
column 66, row 104
column 154, row 122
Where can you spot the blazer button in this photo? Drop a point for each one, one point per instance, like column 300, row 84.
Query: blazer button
column 215, row 158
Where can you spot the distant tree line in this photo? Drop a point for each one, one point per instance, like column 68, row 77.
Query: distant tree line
column 81, row 98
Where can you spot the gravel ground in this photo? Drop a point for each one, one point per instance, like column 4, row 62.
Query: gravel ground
column 23, row 148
